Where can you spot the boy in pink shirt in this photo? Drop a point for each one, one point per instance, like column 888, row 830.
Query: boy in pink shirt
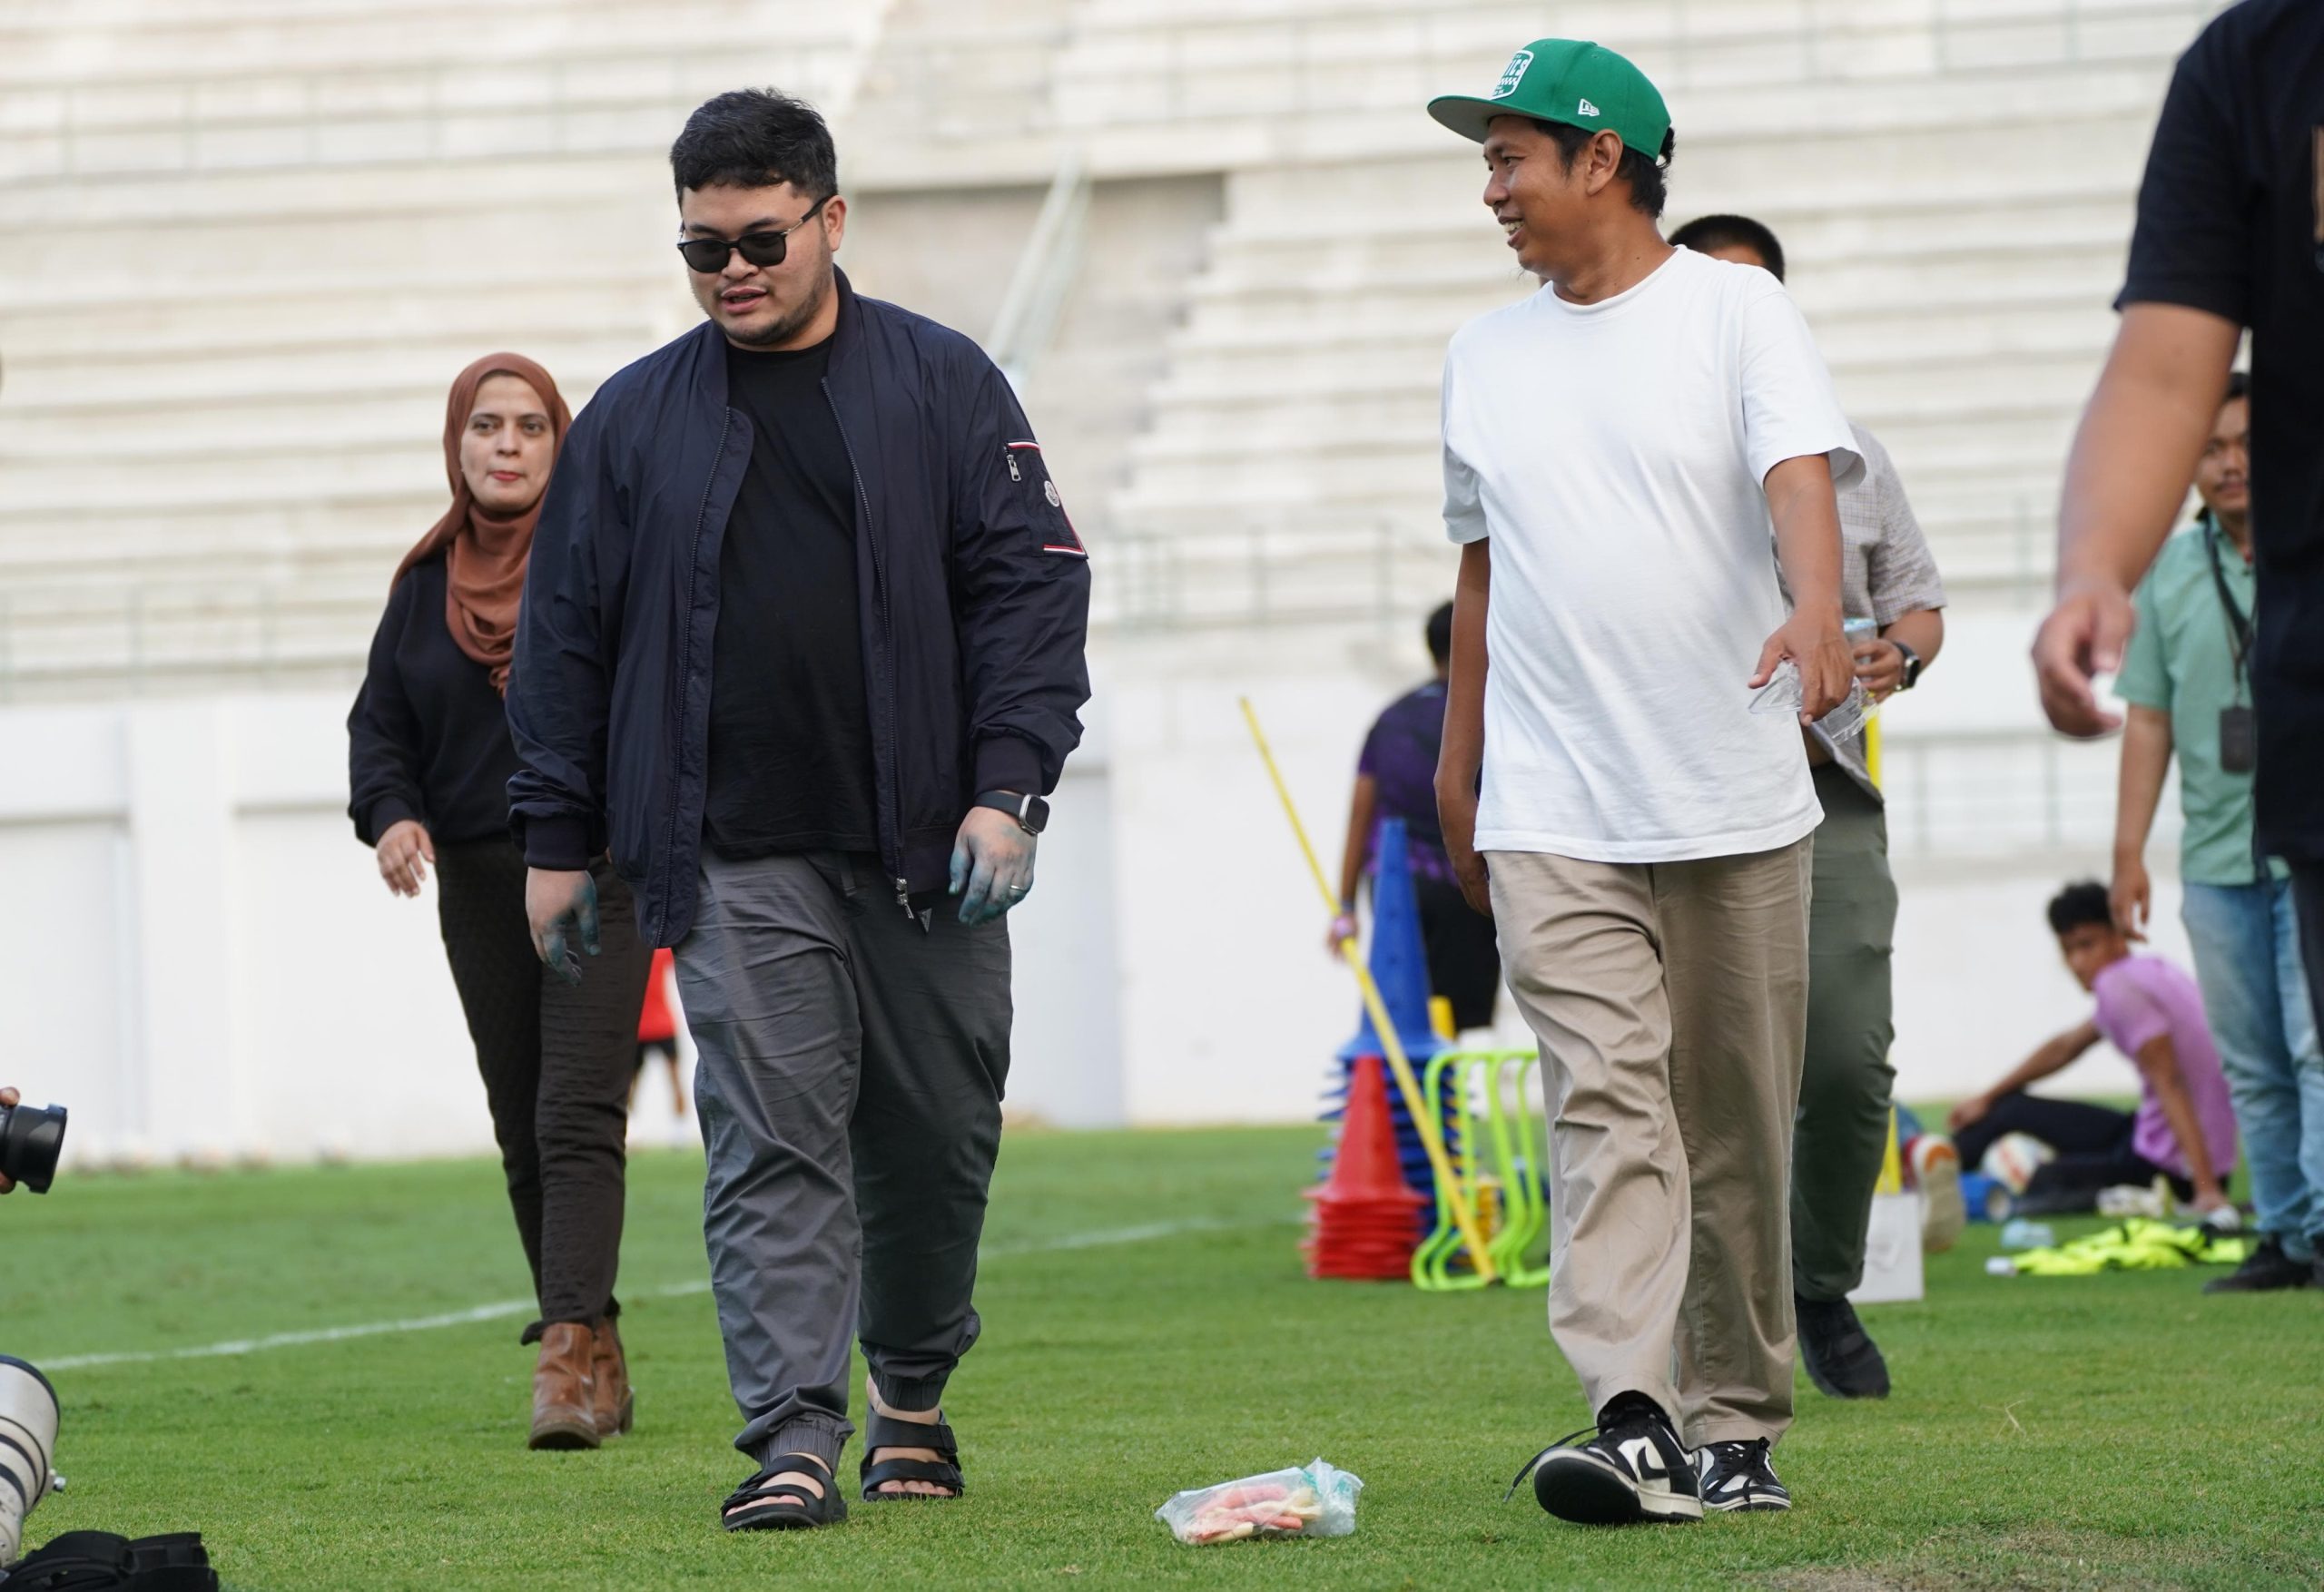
column 2150, row 1011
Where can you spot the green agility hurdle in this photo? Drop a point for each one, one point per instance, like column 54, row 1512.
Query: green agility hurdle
column 1494, row 1080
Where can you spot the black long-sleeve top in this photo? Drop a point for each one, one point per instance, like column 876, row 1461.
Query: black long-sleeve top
column 427, row 738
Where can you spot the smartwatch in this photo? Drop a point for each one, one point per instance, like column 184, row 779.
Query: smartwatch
column 1912, row 665
column 1031, row 813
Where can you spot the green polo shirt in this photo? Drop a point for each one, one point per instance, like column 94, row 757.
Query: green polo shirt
column 2182, row 662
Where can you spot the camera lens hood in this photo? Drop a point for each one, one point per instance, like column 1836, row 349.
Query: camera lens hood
column 31, row 1138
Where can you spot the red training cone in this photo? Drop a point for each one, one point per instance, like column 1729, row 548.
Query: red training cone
column 1367, row 1217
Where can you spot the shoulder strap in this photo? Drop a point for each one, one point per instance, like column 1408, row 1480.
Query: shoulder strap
column 174, row 1563
column 2238, row 622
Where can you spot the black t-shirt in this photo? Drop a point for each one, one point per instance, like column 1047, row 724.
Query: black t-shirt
column 2231, row 221
column 790, row 730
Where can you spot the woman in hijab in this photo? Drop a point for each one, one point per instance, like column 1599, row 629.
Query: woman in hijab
column 430, row 758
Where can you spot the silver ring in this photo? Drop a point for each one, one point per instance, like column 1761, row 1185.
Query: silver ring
column 1018, row 889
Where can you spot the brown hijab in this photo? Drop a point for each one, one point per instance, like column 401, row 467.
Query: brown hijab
column 485, row 552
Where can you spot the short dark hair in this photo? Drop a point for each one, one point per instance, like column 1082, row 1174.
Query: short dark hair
column 755, row 138
column 2081, row 902
column 1647, row 174
column 1705, row 233
column 1440, row 635
column 2239, row 386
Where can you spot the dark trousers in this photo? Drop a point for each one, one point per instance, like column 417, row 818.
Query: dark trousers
column 1846, row 1079
column 1463, row 957
column 2092, row 1143
column 851, row 1063
column 556, row 1060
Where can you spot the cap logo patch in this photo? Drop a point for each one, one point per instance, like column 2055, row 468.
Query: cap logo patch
column 1512, row 75
column 1587, row 109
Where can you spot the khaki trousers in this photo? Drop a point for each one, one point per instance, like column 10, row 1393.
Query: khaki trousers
column 1670, row 999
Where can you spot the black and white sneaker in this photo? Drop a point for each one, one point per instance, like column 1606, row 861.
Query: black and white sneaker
column 1740, row 1476
column 1633, row 1468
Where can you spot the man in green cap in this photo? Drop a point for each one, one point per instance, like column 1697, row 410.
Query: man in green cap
column 1615, row 448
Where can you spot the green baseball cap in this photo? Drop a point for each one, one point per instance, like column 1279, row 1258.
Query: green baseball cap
column 1571, row 80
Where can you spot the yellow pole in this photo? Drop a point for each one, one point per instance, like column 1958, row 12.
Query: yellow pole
column 1432, row 1137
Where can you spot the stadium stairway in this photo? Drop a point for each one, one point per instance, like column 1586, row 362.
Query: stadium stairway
column 1952, row 183
column 286, row 223
column 244, row 244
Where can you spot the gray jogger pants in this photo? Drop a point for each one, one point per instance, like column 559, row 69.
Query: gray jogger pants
column 851, row 1066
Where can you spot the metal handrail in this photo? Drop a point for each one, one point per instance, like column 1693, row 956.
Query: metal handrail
column 1047, row 269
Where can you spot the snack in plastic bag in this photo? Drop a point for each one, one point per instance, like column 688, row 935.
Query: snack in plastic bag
column 1317, row 1502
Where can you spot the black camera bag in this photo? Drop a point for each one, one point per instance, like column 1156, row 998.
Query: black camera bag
column 99, row 1561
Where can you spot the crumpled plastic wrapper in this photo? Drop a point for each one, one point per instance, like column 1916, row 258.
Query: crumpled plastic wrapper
column 1318, row 1500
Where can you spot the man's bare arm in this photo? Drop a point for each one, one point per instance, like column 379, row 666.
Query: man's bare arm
column 1807, row 548
column 1362, row 808
column 2051, row 1055
column 2160, row 1062
column 1463, row 754
column 2146, row 759
column 2132, row 459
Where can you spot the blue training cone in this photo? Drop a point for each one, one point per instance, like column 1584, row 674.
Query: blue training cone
column 1398, row 964
column 1400, row 969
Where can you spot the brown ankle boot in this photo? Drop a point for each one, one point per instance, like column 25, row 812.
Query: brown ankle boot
column 616, row 1404
column 564, row 1390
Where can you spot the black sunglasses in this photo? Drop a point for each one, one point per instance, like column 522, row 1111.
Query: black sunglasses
column 707, row 255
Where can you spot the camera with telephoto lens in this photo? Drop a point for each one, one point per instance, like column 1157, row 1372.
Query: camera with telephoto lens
column 30, row 1140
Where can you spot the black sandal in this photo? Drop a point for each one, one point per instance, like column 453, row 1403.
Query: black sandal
column 885, row 1431
column 768, row 1504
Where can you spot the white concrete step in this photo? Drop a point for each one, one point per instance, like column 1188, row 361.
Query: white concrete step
column 1403, row 309
column 1870, row 349
column 1588, row 18
column 343, row 523
column 168, row 430
column 1963, row 392
column 222, row 477
column 1180, row 73
column 1351, row 461
column 318, row 370
column 286, row 315
column 54, row 212
column 137, row 62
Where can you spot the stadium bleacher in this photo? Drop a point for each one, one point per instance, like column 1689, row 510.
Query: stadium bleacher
column 244, row 241
column 242, row 244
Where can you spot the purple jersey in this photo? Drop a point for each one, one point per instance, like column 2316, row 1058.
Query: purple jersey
column 1400, row 754
column 2139, row 1000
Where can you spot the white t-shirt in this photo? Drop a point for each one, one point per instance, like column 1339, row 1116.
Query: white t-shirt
column 1615, row 452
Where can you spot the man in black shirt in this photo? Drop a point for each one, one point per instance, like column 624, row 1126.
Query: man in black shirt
column 803, row 644
column 2229, row 235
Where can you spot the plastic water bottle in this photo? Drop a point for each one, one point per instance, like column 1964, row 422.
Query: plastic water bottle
column 2022, row 1234
column 1781, row 694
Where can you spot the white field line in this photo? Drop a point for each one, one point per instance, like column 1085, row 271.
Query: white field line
column 1103, row 1238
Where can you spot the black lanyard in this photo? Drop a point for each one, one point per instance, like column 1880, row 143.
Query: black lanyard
column 2238, row 621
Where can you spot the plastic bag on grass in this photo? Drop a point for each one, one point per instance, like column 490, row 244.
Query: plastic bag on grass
column 1317, row 1502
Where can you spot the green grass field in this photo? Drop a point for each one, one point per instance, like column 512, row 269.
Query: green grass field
column 1147, row 1328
